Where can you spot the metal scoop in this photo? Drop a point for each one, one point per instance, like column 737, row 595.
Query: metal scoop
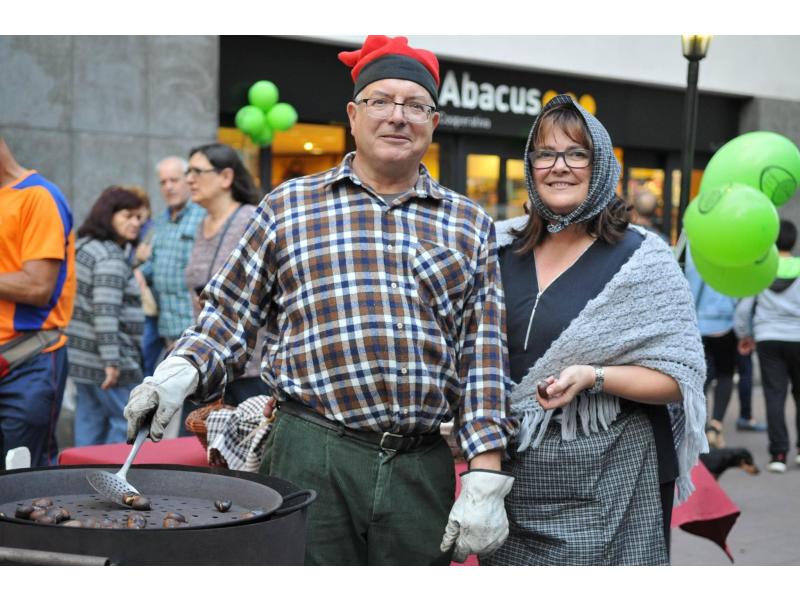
column 113, row 486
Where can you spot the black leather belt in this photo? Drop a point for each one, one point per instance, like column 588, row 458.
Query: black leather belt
column 391, row 442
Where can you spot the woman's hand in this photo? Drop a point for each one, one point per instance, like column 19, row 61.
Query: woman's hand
column 562, row 390
column 112, row 376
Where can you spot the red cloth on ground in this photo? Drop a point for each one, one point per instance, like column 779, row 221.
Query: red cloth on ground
column 708, row 512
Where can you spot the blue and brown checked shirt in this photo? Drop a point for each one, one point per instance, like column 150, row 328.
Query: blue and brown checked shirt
column 384, row 316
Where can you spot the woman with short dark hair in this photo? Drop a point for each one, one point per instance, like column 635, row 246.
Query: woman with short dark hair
column 106, row 328
column 602, row 339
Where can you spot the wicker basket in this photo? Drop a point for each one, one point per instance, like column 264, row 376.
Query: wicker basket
column 196, row 420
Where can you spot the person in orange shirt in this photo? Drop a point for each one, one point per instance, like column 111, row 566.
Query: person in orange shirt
column 37, row 289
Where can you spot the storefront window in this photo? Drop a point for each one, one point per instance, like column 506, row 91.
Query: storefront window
column 640, row 181
column 304, row 149
column 248, row 151
column 516, row 190
column 483, row 180
column 431, row 160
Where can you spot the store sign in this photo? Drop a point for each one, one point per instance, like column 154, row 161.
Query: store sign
column 469, row 102
column 488, row 97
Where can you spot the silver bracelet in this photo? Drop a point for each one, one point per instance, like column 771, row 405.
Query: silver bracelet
column 599, row 380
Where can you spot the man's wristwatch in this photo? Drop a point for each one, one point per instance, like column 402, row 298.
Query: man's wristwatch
column 599, row 380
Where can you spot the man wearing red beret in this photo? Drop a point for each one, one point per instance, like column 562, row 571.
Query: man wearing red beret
column 380, row 291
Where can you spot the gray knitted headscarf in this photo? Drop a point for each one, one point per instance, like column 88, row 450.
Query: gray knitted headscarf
column 605, row 171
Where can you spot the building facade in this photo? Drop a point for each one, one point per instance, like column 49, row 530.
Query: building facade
column 92, row 111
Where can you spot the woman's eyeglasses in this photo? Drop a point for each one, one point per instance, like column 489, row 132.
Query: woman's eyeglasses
column 576, row 158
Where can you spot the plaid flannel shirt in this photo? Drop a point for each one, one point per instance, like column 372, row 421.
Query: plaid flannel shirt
column 382, row 316
column 172, row 246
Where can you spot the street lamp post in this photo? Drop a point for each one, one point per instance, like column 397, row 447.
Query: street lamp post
column 695, row 48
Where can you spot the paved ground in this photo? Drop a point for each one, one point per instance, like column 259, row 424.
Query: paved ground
column 768, row 529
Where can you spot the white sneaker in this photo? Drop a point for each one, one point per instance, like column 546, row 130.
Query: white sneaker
column 777, row 466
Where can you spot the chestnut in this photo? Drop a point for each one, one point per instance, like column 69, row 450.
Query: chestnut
column 46, row 520
column 222, row 505
column 140, row 503
column 37, row 514
column 24, row 512
column 59, row 514
column 171, row 524
column 135, row 521
column 42, row 502
column 175, row 516
column 129, row 497
column 73, row 523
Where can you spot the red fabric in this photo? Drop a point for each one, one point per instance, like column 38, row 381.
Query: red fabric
column 376, row 46
column 3, row 367
column 708, row 512
column 177, row 451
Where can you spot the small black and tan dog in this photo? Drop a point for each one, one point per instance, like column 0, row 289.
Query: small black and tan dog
column 719, row 459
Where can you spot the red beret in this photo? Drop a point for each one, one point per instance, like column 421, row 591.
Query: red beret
column 382, row 57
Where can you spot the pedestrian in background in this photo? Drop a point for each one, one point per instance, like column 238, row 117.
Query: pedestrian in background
column 106, row 329
column 220, row 183
column 37, row 289
column 715, row 317
column 163, row 271
column 770, row 324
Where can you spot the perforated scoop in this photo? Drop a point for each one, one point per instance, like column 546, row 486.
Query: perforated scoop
column 113, row 486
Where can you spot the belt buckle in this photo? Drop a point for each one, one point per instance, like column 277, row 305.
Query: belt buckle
column 386, row 435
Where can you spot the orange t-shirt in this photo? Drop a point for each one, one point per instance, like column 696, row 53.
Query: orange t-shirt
column 36, row 224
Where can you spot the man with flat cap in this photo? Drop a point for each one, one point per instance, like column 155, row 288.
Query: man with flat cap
column 381, row 294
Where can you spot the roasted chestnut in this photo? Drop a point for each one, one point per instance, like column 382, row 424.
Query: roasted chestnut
column 46, row 520
column 24, row 512
column 59, row 514
column 91, row 523
column 222, row 505
column 172, row 524
column 42, row 502
column 73, row 523
column 128, row 498
column 37, row 514
column 140, row 503
column 175, row 516
column 135, row 521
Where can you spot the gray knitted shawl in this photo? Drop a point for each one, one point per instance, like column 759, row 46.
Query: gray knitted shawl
column 605, row 171
column 644, row 316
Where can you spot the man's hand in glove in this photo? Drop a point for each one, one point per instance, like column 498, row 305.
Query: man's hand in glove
column 162, row 394
column 478, row 522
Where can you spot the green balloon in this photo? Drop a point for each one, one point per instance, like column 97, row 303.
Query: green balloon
column 282, row 116
column 263, row 94
column 263, row 137
column 249, row 119
column 732, row 226
column 764, row 160
column 739, row 282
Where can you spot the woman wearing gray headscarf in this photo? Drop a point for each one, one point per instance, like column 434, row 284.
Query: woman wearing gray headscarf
column 605, row 356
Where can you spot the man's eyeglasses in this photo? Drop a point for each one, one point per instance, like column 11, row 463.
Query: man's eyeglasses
column 414, row 112
column 575, row 158
column 195, row 171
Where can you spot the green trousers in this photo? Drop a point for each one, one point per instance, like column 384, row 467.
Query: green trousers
column 372, row 507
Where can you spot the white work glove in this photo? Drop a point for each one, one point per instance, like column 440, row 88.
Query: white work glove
column 163, row 393
column 478, row 523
